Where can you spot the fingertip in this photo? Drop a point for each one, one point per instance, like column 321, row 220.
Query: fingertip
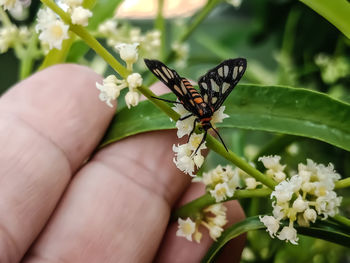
column 61, row 102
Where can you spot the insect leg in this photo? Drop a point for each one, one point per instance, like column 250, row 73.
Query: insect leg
column 170, row 101
column 194, row 127
column 184, row 118
column 222, row 141
column 203, row 139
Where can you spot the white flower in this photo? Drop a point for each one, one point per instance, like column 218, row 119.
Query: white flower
column 310, row 215
column 109, row 27
column 216, row 209
column 8, row 36
column 73, row 3
column 219, row 116
column 221, row 192
column 11, row 4
column 45, row 16
column 54, row 34
column 271, row 223
column 251, row 183
column 194, row 142
column 128, row 53
column 300, row 205
column 132, row 98
column 184, row 127
column 279, row 176
column 183, row 159
column 304, row 196
column 80, row 16
column 198, row 160
column 53, row 30
column 274, row 168
column 181, row 51
column 215, row 231
column 328, row 205
column 289, row 233
column 134, row 80
column 110, row 89
column 277, row 211
column 186, row 228
column 197, row 236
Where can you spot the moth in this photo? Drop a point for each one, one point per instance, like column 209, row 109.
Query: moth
column 214, row 87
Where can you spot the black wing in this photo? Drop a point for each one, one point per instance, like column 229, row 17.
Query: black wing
column 173, row 81
column 217, row 84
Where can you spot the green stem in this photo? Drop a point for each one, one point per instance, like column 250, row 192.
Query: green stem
column 197, row 205
column 217, row 147
column 163, row 106
column 335, row 11
column 342, row 220
column 89, row 39
column 342, row 183
column 211, row 142
column 160, row 25
column 4, row 18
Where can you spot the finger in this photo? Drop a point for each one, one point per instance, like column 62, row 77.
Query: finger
column 49, row 124
column 117, row 206
column 177, row 249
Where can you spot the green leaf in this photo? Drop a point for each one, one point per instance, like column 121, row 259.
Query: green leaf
column 335, row 11
column 322, row 229
column 249, row 224
column 269, row 108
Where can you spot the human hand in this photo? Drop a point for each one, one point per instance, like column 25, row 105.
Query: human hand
column 54, row 207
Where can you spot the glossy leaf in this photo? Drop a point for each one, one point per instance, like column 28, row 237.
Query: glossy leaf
column 323, row 229
column 269, row 108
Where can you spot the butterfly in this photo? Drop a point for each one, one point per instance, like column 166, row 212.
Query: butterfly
column 214, row 88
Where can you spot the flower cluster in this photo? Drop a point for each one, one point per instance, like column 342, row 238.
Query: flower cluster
column 274, row 168
column 332, row 69
column 186, row 157
column 213, row 218
column 181, row 53
column 111, row 86
column 301, row 198
column 14, row 5
column 120, row 33
column 222, row 182
column 53, row 30
column 12, row 35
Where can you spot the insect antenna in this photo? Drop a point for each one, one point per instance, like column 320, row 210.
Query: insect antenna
column 170, row 101
column 222, row 141
column 202, row 141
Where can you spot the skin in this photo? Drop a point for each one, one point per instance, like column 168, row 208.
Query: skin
column 57, row 207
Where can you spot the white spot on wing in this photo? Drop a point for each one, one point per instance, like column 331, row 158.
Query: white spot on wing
column 183, row 87
column 225, row 70
column 221, row 72
column 156, row 71
column 225, row 86
column 240, row 68
column 204, row 85
column 214, row 99
column 235, row 72
column 177, row 89
column 171, row 73
column 205, row 98
column 214, row 86
column 165, row 70
column 162, row 76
